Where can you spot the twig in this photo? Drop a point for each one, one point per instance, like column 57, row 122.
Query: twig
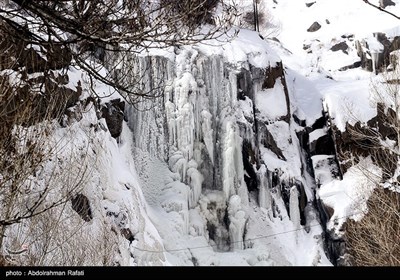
column 381, row 9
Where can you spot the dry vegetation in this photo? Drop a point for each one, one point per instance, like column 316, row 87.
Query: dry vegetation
column 374, row 241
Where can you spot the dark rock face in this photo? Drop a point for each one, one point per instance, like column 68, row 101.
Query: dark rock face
column 113, row 112
column 384, row 3
column 342, row 46
column 319, row 123
column 249, row 160
column 324, row 145
column 127, row 233
column 269, row 142
column 272, row 74
column 384, row 58
column 324, row 149
column 81, row 205
column 335, row 246
column 314, row 27
column 364, row 54
column 244, row 85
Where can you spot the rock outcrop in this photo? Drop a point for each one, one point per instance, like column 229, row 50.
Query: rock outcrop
column 113, row 112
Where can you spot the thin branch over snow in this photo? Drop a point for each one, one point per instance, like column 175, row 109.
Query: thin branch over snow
column 381, row 9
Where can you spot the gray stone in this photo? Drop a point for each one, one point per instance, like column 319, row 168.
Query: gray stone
column 384, row 3
column 314, row 27
column 310, row 4
column 81, row 205
column 342, row 46
column 113, row 112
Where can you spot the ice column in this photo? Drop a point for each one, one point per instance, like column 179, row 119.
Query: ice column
column 294, row 207
column 237, row 218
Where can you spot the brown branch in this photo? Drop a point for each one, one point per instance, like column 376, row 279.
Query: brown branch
column 381, row 9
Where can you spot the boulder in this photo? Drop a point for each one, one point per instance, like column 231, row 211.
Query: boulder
column 81, row 205
column 309, row 4
column 384, row 3
column 113, row 112
column 342, row 46
column 314, row 27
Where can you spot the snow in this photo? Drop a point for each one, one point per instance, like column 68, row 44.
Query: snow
column 317, row 134
column 348, row 197
column 237, row 46
column 305, row 97
column 345, row 17
column 347, row 101
column 323, row 169
column 242, row 46
column 272, row 102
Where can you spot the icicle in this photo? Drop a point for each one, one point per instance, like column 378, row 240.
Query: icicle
column 177, row 163
column 208, row 133
column 237, row 218
column 171, row 120
column 264, row 197
column 374, row 58
column 195, row 181
column 228, row 157
column 241, row 187
column 294, row 207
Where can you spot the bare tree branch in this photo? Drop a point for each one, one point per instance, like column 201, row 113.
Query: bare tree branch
column 381, row 9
